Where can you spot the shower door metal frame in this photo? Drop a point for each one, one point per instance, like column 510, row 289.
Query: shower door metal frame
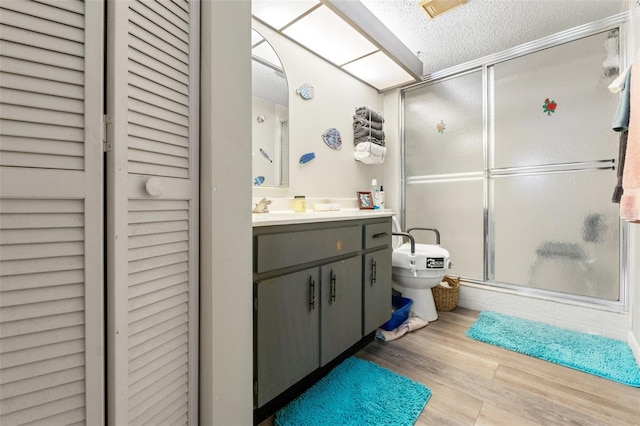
column 485, row 65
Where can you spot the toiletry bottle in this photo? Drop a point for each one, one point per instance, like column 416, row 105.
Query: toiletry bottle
column 299, row 204
column 381, row 197
column 375, row 193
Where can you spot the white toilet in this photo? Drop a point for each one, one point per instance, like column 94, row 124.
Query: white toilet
column 414, row 275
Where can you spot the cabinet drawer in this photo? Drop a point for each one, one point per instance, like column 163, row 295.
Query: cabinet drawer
column 275, row 251
column 377, row 235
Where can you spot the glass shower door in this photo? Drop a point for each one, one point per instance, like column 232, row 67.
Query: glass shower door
column 515, row 163
column 552, row 175
column 444, row 168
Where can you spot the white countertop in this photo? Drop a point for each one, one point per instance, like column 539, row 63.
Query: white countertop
column 290, row 218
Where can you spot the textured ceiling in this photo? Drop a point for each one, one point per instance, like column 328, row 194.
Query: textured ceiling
column 483, row 27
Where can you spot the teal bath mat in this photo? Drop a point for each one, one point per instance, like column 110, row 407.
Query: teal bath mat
column 357, row 392
column 601, row 356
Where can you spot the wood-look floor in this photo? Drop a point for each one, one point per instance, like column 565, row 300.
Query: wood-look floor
column 474, row 383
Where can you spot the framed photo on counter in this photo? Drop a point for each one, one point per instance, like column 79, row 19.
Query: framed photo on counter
column 365, row 201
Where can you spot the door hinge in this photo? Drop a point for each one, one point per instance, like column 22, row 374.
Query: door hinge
column 106, row 119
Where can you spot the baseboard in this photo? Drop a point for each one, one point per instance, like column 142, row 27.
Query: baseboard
column 635, row 347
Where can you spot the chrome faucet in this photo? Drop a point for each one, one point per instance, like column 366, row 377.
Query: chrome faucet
column 262, row 206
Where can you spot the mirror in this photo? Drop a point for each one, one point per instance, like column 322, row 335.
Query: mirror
column 270, row 116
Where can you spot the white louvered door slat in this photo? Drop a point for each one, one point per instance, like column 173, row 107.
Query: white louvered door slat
column 152, row 258
column 51, row 220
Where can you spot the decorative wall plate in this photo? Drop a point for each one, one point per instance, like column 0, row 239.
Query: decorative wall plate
column 259, row 180
column 307, row 157
column 306, row 91
column 549, row 106
column 332, row 138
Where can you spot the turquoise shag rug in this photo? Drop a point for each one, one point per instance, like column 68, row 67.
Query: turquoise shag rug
column 357, row 392
column 598, row 355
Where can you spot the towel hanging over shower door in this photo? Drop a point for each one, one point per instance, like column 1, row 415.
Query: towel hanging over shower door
column 630, row 200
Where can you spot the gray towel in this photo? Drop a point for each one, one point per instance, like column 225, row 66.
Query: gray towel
column 368, row 139
column 366, row 112
column 363, row 122
column 617, row 191
column 368, row 131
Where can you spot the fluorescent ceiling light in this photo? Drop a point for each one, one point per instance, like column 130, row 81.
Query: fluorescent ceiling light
column 326, row 34
column 345, row 33
column 278, row 14
column 379, row 71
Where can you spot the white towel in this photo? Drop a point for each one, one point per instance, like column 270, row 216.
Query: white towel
column 373, row 148
column 370, row 153
column 618, row 84
column 368, row 158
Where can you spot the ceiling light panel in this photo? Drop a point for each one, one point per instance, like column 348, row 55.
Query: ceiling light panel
column 326, row 34
column 278, row 13
column 379, row 71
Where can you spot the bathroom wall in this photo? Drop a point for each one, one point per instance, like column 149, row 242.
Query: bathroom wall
column 226, row 293
column 333, row 174
column 392, row 173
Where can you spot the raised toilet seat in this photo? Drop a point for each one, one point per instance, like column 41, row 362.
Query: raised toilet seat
column 415, row 273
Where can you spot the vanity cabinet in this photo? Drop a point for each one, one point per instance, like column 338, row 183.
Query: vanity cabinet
column 287, row 331
column 376, row 266
column 340, row 307
column 376, row 289
column 319, row 288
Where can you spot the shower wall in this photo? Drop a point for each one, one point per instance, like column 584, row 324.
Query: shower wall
column 515, row 162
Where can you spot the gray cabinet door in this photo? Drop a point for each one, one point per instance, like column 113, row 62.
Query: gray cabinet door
column 287, row 331
column 376, row 289
column 341, row 307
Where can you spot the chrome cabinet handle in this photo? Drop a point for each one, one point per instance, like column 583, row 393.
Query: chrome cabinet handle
column 380, row 235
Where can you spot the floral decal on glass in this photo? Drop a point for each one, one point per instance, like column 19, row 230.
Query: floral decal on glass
column 549, row 106
column 440, row 127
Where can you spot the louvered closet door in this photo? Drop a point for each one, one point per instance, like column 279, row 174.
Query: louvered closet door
column 51, row 226
column 152, row 188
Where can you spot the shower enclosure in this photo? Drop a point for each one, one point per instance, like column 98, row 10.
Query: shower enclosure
column 514, row 161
